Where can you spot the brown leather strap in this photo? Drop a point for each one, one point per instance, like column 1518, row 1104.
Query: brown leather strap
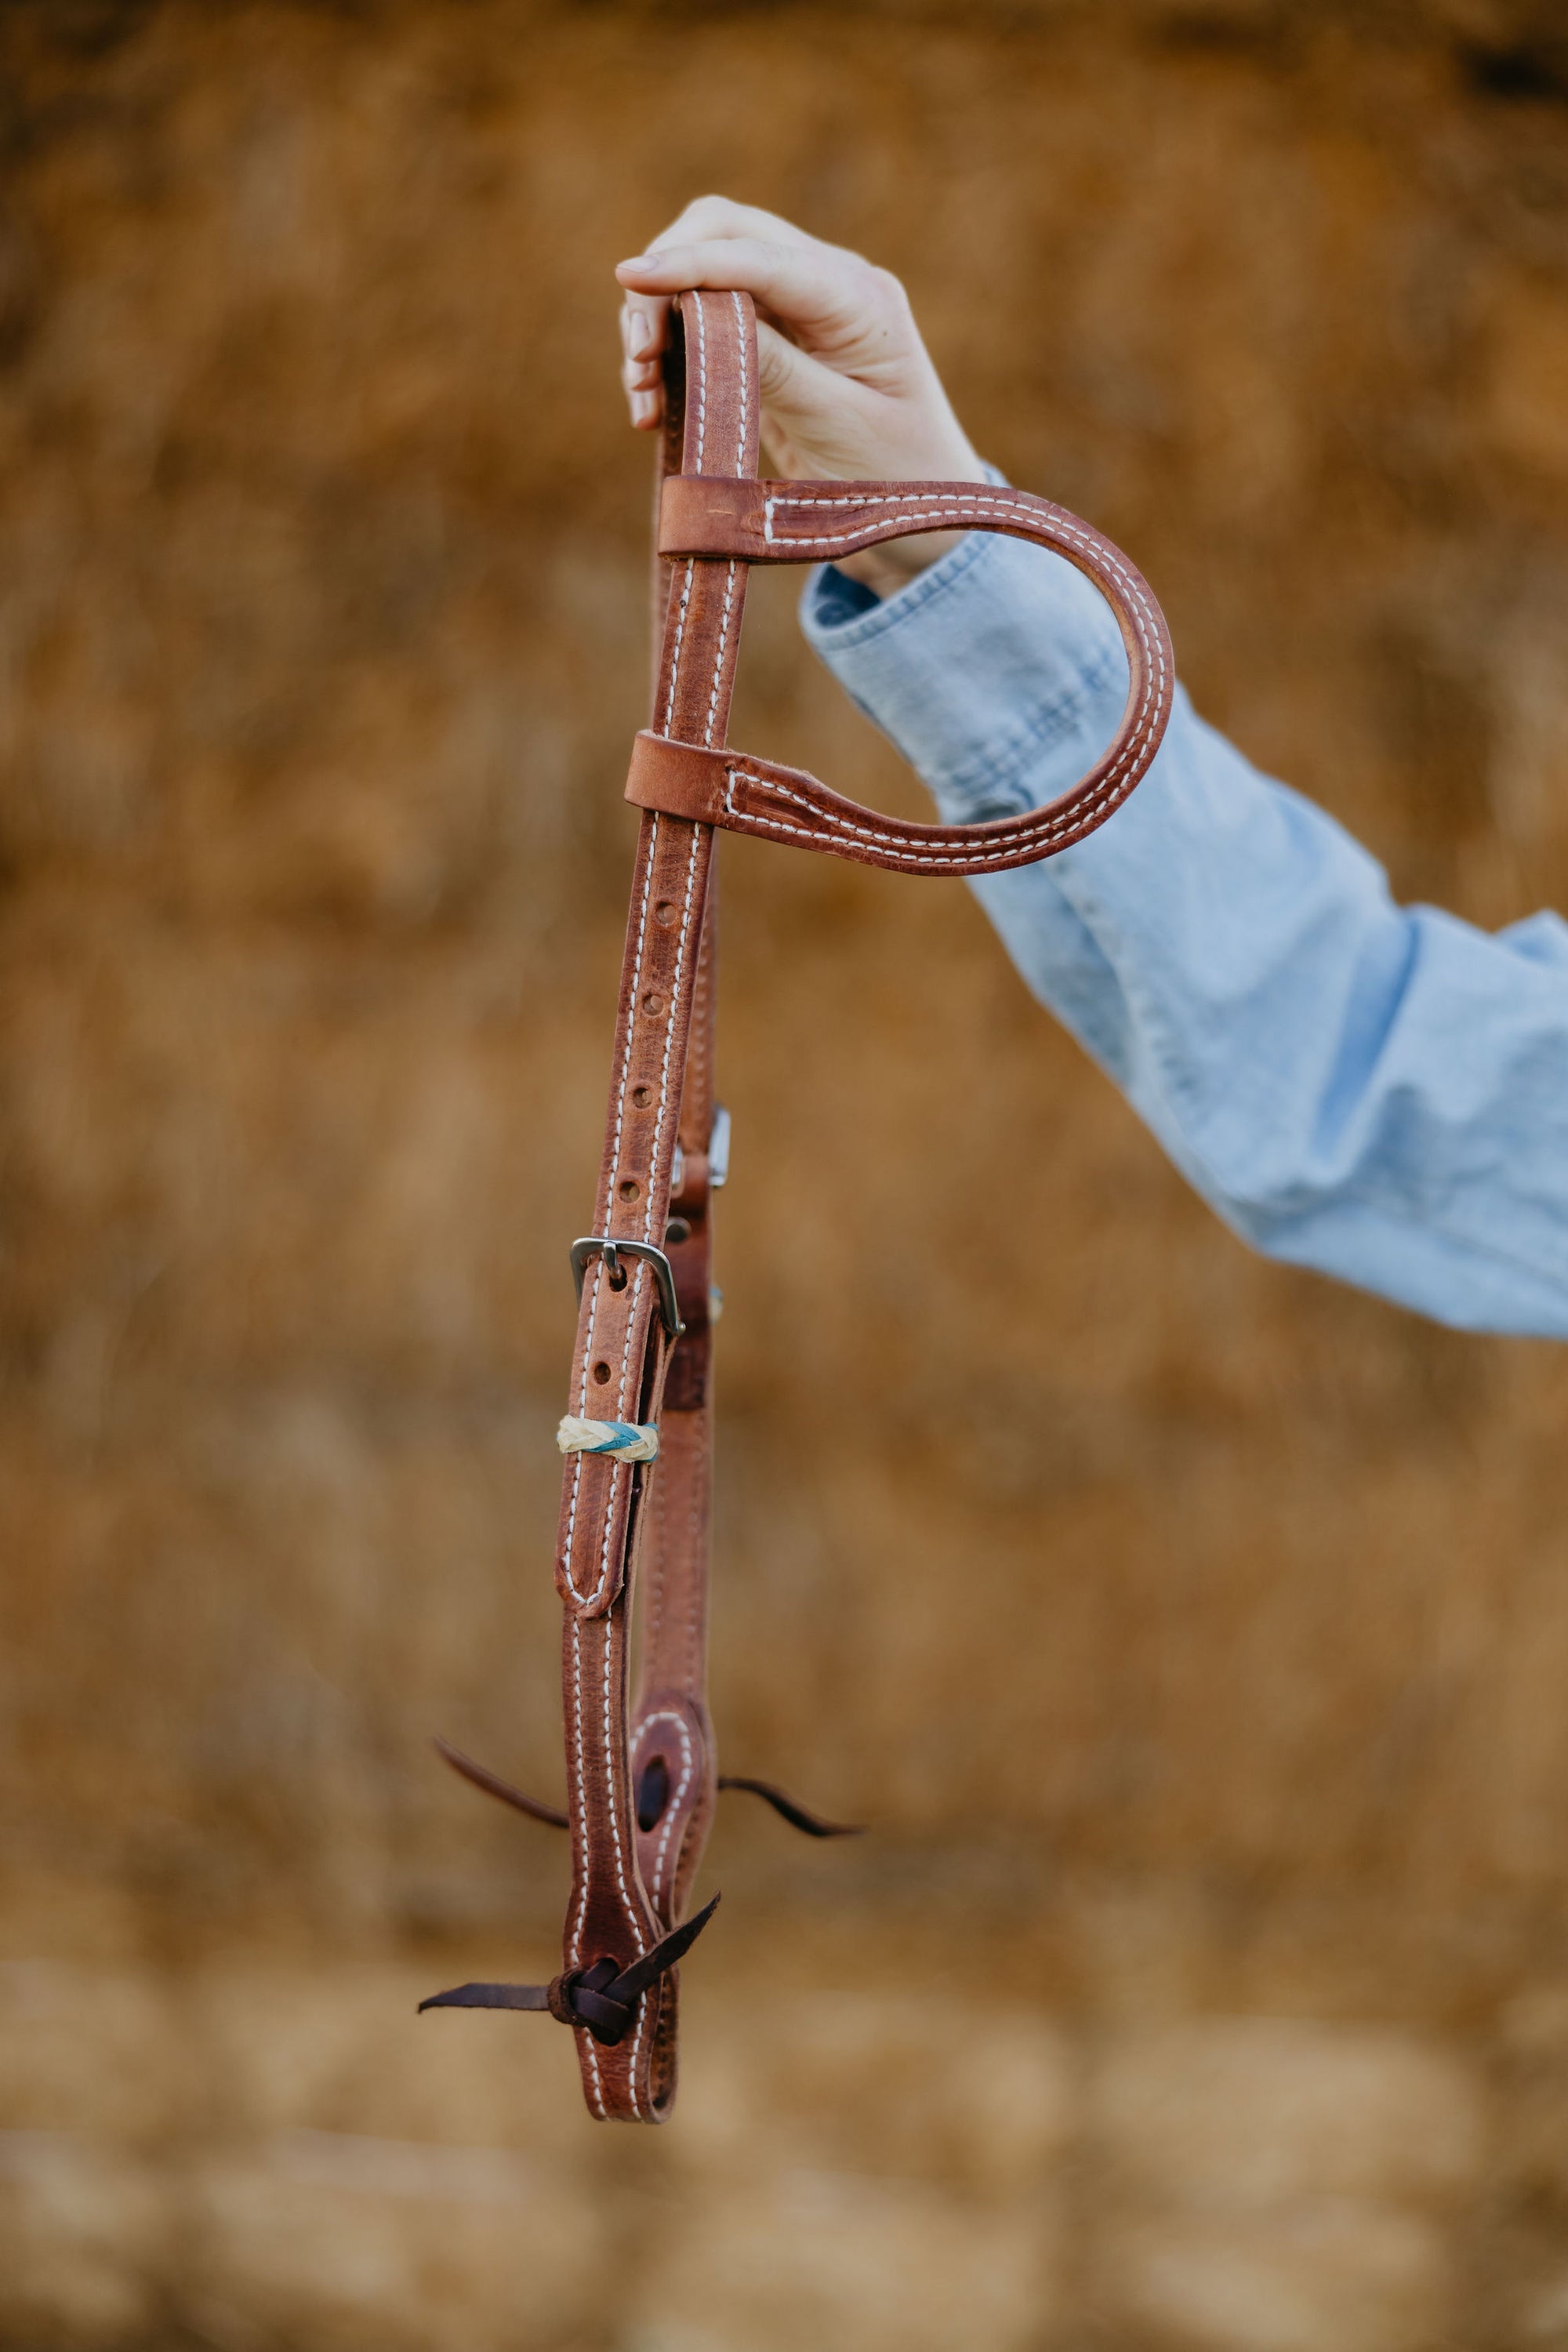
column 749, row 795
column 641, row 1776
column 803, row 522
column 628, row 1885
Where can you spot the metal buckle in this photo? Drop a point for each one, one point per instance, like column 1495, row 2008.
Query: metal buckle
column 719, row 1149
column 611, row 1252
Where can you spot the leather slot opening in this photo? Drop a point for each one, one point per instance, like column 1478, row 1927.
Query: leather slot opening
column 653, row 1792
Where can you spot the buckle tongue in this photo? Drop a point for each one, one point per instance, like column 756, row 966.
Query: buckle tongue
column 611, row 1251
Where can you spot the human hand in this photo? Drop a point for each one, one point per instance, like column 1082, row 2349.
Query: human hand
column 848, row 391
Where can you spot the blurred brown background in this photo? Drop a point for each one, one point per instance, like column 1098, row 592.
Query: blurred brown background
column 1205, row 1980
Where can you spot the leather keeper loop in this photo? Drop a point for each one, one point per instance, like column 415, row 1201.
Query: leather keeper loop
column 678, row 779
column 711, row 515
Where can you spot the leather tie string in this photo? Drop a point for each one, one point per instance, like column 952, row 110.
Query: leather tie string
column 599, row 1998
column 652, row 1796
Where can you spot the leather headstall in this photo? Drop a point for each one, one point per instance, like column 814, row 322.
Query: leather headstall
column 641, row 1772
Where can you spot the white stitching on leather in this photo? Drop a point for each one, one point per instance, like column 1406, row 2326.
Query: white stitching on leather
column 622, row 1397
column 719, row 660
column 581, row 1859
column 633, row 1009
column 665, row 1714
column 637, row 2046
column 1006, row 501
column 669, row 1036
column 577, row 1925
column 626, row 1905
column 675, row 651
column 632, row 2063
column 606, row 1569
column 701, row 437
column 730, row 581
column 746, row 820
column 701, row 378
column 597, row 1596
column 696, row 1586
column 593, row 1600
column 669, row 1714
column 697, row 1050
column 1055, row 824
column 1064, row 820
column 740, row 355
column 1050, row 528
column 1006, row 838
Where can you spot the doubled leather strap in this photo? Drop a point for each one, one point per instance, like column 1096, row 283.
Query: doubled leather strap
column 630, row 1884
column 809, row 522
column 749, row 795
column 640, row 1773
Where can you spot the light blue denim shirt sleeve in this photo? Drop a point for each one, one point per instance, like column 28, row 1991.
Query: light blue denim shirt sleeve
column 1377, row 1091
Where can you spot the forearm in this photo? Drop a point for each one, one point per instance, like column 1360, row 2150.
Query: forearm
column 1378, row 1092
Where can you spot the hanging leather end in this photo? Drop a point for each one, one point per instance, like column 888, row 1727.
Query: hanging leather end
column 791, row 1809
column 493, row 1786
column 489, row 1996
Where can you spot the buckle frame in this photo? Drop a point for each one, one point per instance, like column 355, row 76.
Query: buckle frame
column 610, row 1252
